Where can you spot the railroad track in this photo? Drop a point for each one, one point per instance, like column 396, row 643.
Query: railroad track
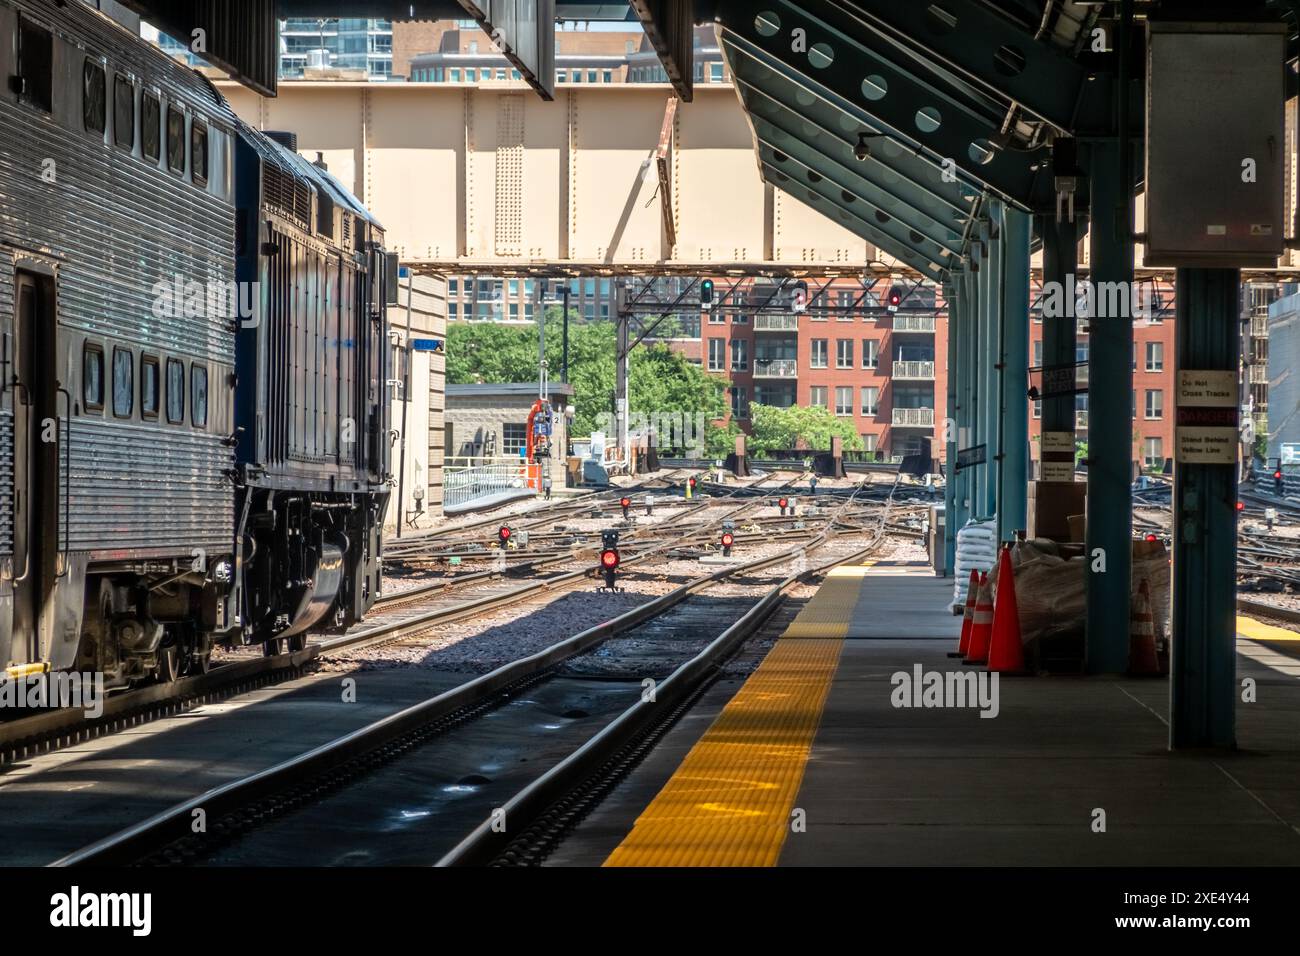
column 60, row 728
column 350, row 757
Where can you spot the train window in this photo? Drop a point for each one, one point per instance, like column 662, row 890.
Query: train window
column 35, row 78
column 175, row 140
column 175, row 391
column 92, row 376
column 198, row 396
column 123, row 112
column 123, row 383
column 199, row 152
column 150, row 125
column 94, row 95
column 148, row 386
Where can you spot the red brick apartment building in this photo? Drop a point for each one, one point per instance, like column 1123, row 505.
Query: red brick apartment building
column 1153, row 376
column 888, row 371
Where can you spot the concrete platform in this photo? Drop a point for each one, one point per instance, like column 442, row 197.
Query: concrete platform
column 814, row 762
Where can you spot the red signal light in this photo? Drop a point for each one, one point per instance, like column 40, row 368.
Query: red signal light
column 1152, row 537
column 727, row 540
column 625, row 502
column 504, row 533
column 609, row 559
column 1241, row 506
column 783, row 503
column 1278, row 473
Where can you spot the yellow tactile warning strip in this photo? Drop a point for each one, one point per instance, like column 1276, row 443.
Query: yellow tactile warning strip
column 1259, row 631
column 729, row 803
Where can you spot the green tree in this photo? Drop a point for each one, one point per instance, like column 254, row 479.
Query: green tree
column 659, row 379
column 779, row 429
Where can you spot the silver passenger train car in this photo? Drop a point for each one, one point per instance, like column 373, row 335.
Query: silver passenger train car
column 134, row 456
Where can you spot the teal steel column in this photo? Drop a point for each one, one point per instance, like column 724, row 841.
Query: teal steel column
column 992, row 354
column 967, row 394
column 1013, row 443
column 949, row 431
column 1202, row 693
column 1109, row 555
column 1060, row 333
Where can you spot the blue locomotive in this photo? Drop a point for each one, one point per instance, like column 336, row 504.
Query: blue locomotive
column 194, row 435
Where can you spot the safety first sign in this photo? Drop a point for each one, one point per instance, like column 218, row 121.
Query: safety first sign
column 1208, row 416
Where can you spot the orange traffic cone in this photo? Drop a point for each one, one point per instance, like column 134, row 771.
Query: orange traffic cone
column 968, row 615
column 1006, row 650
column 1142, row 659
column 981, row 625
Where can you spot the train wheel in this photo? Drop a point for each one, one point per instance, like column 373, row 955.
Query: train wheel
column 274, row 646
column 297, row 643
column 201, row 659
column 169, row 664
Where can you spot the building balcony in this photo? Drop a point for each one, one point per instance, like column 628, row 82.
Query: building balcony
column 914, row 323
column 776, row 368
column 1259, row 375
column 914, row 371
column 1259, row 326
column 776, row 323
column 913, row 417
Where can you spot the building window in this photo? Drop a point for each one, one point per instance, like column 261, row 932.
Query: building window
column 870, row 401
column 739, row 402
column 844, row 302
column 844, row 353
column 739, row 355
column 844, row 400
column 1038, row 353
column 817, row 396
column 123, row 383
column 869, row 442
column 609, row 76
column 870, row 353
column 1038, row 408
column 1155, row 356
column 1153, row 453
column 1155, row 403
column 817, row 359
column 591, row 76
column 93, row 96
column 717, row 318
column 514, row 439
column 715, row 72
column 455, row 75
column 717, row 355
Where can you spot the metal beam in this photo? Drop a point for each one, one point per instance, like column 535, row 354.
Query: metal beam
column 241, row 37
column 909, row 178
column 986, row 49
column 524, row 32
column 831, row 204
column 853, row 69
column 670, row 27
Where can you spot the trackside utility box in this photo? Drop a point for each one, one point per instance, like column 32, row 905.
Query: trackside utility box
column 1216, row 144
